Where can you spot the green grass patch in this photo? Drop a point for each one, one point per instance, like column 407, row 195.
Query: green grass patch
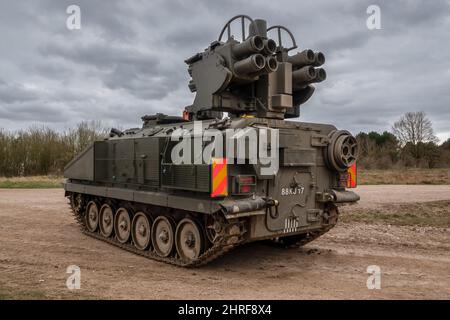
column 38, row 182
column 7, row 184
column 404, row 176
column 431, row 214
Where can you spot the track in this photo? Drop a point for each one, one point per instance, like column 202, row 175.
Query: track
column 229, row 238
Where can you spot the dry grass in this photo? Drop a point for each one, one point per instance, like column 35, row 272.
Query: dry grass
column 424, row 214
column 31, row 182
column 405, row 176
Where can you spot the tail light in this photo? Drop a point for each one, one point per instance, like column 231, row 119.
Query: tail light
column 244, row 184
column 352, row 176
column 246, row 180
column 245, row 189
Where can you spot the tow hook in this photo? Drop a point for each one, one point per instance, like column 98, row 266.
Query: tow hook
column 271, row 202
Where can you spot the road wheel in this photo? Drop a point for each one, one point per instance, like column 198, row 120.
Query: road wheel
column 162, row 236
column 92, row 216
column 189, row 240
column 141, row 230
column 106, row 221
column 122, row 225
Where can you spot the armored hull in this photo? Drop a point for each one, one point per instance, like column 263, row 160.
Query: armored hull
column 165, row 191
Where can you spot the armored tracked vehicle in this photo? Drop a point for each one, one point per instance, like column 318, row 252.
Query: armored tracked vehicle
column 185, row 190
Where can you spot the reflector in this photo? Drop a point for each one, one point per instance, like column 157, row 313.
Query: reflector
column 352, row 177
column 219, row 177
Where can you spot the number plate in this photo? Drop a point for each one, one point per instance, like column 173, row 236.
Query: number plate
column 292, row 191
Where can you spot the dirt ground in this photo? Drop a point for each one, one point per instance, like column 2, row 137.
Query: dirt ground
column 39, row 240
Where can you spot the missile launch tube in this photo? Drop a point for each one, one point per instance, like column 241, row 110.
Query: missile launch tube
column 302, row 59
column 249, row 65
column 252, row 45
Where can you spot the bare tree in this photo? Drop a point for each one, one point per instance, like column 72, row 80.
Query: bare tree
column 414, row 127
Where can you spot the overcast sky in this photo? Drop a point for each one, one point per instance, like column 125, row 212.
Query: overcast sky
column 127, row 59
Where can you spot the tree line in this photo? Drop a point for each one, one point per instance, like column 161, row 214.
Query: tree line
column 410, row 143
column 43, row 151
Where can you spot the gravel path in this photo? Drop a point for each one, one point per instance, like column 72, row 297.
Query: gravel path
column 39, row 240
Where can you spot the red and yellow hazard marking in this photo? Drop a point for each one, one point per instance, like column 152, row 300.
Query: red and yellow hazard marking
column 352, row 176
column 219, row 177
column 186, row 115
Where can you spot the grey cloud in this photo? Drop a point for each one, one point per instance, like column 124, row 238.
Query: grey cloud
column 408, row 13
column 144, row 86
column 34, row 112
column 121, row 67
column 127, row 60
column 15, row 92
column 100, row 55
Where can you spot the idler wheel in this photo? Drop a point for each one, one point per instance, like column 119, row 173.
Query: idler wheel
column 76, row 202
